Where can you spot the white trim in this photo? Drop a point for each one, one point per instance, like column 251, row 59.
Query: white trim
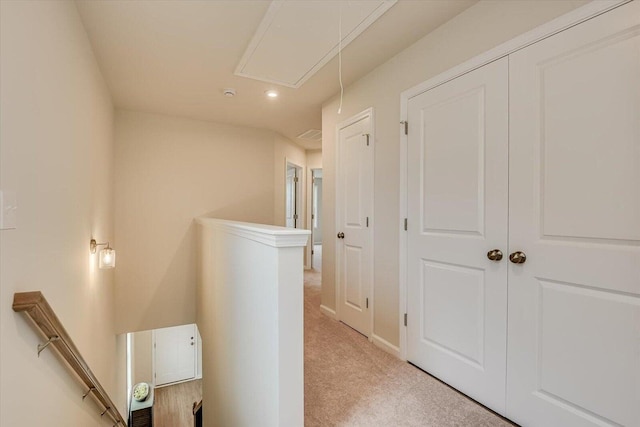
column 310, row 208
column 198, row 353
column 328, row 312
column 177, row 382
column 153, row 357
column 552, row 27
column 130, row 356
column 369, row 112
column 402, row 241
column 308, row 212
column 385, row 345
column 271, row 235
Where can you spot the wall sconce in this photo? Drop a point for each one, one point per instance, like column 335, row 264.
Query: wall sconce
column 107, row 256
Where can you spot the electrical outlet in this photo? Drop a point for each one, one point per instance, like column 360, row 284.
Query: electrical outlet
column 8, row 210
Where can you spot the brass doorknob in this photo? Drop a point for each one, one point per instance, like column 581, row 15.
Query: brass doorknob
column 518, row 257
column 341, row 235
column 494, row 254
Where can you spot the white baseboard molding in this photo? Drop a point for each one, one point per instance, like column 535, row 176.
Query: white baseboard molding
column 328, row 312
column 385, row 345
column 174, row 383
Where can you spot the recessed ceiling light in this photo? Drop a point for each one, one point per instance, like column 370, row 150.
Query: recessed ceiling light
column 272, row 93
column 229, row 92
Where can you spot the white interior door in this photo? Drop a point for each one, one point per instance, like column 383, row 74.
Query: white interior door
column 317, row 207
column 457, row 213
column 354, row 224
column 574, row 305
column 175, row 354
column 291, row 196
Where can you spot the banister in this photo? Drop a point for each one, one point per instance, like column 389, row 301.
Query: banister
column 36, row 307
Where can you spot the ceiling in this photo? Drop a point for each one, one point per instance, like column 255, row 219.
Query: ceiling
column 297, row 38
column 176, row 56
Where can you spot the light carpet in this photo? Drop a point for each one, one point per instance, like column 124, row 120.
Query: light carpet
column 350, row 382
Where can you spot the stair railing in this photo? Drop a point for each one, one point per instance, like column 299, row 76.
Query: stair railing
column 36, row 307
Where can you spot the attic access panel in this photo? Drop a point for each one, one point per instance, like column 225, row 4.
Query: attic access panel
column 296, row 38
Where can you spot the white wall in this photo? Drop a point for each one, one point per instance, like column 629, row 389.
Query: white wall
column 169, row 170
column 314, row 159
column 56, row 151
column 142, row 363
column 251, row 319
column 477, row 29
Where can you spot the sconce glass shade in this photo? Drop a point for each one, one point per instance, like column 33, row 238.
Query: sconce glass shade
column 107, row 258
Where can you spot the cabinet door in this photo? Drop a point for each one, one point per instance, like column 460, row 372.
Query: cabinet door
column 574, row 210
column 457, row 207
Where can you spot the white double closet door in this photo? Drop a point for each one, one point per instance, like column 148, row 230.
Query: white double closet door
column 537, row 153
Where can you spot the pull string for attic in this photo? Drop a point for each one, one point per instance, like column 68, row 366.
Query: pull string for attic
column 340, row 56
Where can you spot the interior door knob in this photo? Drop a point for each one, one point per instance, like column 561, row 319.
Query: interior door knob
column 518, row 257
column 494, row 254
column 341, row 235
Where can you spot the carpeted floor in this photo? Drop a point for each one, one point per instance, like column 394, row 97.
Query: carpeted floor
column 350, row 382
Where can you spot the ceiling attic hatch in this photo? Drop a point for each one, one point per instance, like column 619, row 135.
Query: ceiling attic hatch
column 296, row 38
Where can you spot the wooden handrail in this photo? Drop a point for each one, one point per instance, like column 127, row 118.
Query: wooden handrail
column 38, row 309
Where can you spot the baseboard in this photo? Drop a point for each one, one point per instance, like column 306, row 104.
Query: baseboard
column 176, row 382
column 328, row 312
column 385, row 345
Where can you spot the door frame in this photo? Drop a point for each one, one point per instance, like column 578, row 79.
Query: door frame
column 559, row 24
column 312, row 206
column 369, row 112
column 299, row 222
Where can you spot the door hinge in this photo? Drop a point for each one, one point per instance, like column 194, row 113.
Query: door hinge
column 366, row 135
column 312, row 252
column 367, row 221
column 406, row 126
column 295, row 216
column 367, row 302
column 405, row 319
column 295, row 179
column 405, row 224
column 313, row 216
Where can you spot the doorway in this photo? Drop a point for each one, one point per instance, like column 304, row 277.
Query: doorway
column 157, row 356
column 175, row 354
column 293, row 197
column 316, row 219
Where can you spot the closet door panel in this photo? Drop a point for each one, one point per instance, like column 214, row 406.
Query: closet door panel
column 574, row 196
column 457, row 193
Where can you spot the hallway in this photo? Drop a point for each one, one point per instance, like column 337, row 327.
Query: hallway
column 350, row 382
